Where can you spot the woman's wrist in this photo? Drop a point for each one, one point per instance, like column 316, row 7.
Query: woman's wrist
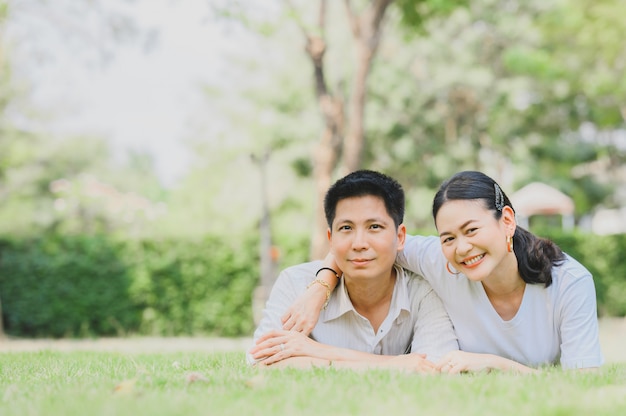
column 319, row 292
column 325, row 285
column 329, row 275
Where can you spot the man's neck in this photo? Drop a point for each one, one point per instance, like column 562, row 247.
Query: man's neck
column 372, row 298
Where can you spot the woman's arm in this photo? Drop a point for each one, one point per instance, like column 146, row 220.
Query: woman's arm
column 578, row 320
column 303, row 314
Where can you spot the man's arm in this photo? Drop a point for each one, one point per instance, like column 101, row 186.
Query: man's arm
column 294, row 349
column 290, row 283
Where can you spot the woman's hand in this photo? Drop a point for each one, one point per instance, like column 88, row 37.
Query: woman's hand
column 303, row 314
column 457, row 362
column 278, row 345
column 414, row 363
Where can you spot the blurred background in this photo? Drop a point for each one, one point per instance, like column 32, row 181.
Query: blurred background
column 161, row 161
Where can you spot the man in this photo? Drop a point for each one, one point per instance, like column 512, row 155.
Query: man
column 380, row 312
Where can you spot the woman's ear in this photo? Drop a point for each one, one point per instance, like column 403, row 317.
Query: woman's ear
column 508, row 219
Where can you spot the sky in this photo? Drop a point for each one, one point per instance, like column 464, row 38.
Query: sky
column 139, row 94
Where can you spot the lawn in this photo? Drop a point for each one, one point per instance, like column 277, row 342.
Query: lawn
column 193, row 383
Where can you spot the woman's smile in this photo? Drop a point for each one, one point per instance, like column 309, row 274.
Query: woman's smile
column 472, row 261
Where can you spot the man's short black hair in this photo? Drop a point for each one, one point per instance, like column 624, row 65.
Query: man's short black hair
column 365, row 183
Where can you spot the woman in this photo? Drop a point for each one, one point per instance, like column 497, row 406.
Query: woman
column 516, row 301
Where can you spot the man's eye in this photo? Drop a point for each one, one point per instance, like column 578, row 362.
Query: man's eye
column 447, row 240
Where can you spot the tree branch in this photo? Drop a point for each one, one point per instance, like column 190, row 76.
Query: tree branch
column 353, row 19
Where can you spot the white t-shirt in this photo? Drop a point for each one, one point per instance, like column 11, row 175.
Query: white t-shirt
column 416, row 322
column 554, row 324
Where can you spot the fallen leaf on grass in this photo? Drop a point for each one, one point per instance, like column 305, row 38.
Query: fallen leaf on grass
column 125, row 387
column 195, row 378
column 257, row 381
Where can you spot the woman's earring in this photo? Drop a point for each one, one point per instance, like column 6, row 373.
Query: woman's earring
column 450, row 271
column 509, row 243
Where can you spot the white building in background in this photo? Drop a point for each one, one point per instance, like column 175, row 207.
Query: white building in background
column 538, row 198
column 609, row 221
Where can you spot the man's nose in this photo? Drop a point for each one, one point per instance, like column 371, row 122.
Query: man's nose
column 360, row 240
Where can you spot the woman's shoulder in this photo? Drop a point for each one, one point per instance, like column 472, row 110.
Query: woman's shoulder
column 570, row 272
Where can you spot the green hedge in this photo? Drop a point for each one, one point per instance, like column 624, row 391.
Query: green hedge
column 604, row 257
column 87, row 286
column 70, row 286
column 95, row 285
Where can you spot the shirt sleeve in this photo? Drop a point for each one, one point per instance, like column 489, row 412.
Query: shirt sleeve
column 433, row 331
column 422, row 255
column 580, row 342
column 282, row 296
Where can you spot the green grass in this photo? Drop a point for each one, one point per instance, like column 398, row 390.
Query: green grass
column 83, row 383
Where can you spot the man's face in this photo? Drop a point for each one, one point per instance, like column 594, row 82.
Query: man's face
column 364, row 238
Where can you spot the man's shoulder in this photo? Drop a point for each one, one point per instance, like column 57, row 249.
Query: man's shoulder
column 302, row 271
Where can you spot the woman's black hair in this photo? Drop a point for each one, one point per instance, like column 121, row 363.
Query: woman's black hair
column 535, row 255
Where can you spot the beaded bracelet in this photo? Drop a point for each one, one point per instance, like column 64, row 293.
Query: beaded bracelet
column 326, row 285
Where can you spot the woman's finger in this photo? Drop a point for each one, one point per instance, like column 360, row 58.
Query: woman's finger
column 286, row 317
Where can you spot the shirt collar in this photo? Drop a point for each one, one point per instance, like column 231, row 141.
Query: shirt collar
column 340, row 302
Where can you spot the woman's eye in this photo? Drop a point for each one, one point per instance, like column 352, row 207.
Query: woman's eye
column 446, row 240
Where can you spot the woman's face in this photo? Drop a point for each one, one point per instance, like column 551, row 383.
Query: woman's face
column 473, row 241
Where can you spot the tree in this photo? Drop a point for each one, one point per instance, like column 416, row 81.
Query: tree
column 341, row 143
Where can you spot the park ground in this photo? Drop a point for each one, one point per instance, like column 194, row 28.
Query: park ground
column 612, row 339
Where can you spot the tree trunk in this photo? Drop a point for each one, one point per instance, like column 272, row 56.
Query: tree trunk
column 2, row 336
column 366, row 30
column 268, row 264
column 354, row 141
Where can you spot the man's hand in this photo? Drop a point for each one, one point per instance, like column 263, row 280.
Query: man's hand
column 279, row 345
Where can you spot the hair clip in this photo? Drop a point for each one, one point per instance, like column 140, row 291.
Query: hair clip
column 499, row 197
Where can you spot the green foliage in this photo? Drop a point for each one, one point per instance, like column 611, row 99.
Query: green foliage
column 415, row 14
column 603, row 257
column 93, row 285
column 55, row 286
column 193, row 287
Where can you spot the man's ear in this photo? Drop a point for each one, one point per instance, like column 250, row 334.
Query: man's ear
column 401, row 236
column 329, row 235
column 508, row 219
